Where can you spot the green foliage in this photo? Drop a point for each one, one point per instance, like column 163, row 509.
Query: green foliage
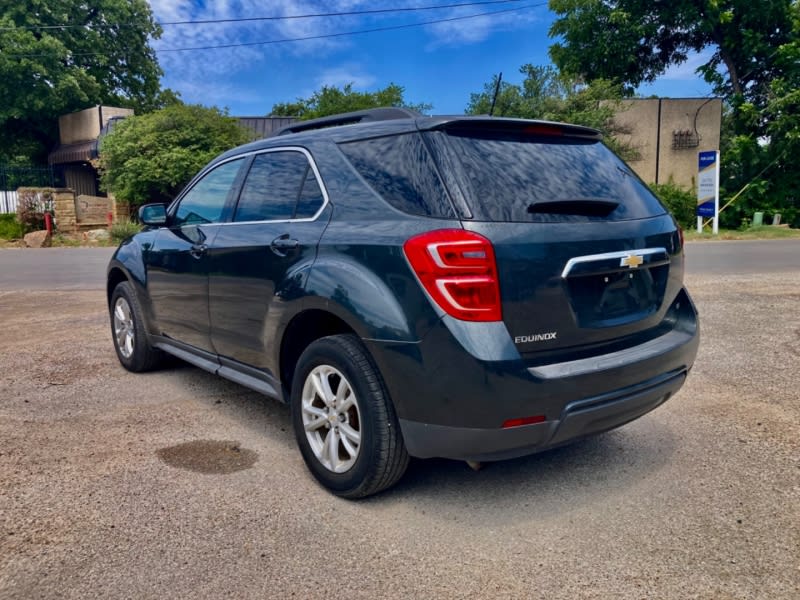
column 681, row 203
column 121, row 230
column 10, row 228
column 50, row 72
column 755, row 67
column 634, row 41
column 546, row 94
column 150, row 158
column 32, row 204
column 331, row 100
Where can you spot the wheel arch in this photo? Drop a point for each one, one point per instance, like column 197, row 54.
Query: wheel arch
column 116, row 275
column 305, row 328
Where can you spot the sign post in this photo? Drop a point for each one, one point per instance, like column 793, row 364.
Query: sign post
column 708, row 189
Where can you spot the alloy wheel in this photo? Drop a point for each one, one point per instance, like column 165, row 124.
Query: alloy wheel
column 331, row 418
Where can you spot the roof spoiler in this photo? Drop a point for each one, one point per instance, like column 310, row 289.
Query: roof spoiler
column 360, row 116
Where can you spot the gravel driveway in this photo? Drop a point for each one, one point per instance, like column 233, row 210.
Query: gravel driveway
column 100, row 498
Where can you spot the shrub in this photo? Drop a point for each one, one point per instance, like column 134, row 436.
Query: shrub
column 124, row 229
column 681, row 202
column 10, row 228
column 32, row 204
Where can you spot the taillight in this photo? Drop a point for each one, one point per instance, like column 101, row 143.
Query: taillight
column 458, row 270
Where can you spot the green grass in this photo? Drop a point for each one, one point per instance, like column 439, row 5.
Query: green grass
column 123, row 229
column 763, row 232
column 10, row 229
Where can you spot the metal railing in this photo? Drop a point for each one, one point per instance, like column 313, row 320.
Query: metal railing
column 12, row 178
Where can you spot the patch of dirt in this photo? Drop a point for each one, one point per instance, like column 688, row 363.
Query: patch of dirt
column 209, row 457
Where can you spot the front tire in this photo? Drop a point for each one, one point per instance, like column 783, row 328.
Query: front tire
column 344, row 421
column 128, row 332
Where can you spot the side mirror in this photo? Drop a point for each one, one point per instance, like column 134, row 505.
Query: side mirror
column 153, row 215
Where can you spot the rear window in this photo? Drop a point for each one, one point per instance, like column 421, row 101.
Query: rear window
column 512, row 176
column 400, row 169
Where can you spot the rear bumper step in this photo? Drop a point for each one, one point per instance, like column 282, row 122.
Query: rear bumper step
column 578, row 419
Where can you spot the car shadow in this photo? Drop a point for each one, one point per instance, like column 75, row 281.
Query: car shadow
column 547, row 483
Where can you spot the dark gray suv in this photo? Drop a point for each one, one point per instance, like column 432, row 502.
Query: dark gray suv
column 464, row 287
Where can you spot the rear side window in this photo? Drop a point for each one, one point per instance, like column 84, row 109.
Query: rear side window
column 513, row 176
column 400, row 169
column 279, row 186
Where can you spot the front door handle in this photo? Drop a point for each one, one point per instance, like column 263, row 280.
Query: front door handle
column 198, row 250
column 283, row 243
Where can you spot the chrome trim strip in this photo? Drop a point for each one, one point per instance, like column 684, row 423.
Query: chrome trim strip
column 608, row 256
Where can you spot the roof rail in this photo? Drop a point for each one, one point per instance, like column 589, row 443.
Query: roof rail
column 359, row 116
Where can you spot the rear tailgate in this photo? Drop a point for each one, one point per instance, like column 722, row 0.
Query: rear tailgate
column 586, row 255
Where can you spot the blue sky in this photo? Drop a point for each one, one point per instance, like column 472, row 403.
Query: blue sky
column 440, row 63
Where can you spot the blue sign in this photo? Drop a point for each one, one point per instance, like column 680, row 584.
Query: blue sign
column 707, row 183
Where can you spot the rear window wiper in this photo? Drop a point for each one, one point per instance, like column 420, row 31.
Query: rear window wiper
column 579, row 207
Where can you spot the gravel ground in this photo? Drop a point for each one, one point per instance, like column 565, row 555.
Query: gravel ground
column 176, row 484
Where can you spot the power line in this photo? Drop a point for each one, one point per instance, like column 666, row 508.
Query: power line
column 270, row 18
column 310, row 37
column 346, row 33
column 339, row 14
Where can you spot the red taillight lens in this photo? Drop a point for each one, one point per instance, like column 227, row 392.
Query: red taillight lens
column 457, row 268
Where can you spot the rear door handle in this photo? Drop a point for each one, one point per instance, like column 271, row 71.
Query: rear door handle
column 283, row 243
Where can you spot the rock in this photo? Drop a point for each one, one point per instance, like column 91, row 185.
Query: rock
column 98, row 235
column 37, row 239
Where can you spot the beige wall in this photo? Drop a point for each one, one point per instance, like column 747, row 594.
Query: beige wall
column 638, row 119
column 85, row 125
column 651, row 124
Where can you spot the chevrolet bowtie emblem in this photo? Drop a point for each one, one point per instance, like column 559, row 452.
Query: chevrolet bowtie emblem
column 632, row 261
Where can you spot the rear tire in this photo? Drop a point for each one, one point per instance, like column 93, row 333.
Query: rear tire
column 128, row 332
column 344, row 421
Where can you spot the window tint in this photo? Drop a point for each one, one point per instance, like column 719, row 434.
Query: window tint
column 521, row 177
column 311, row 198
column 274, row 185
column 401, row 171
column 206, row 200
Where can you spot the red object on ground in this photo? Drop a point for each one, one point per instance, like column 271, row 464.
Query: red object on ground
column 48, row 223
column 110, row 218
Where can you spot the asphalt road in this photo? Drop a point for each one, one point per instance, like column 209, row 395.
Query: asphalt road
column 743, row 257
column 53, row 268
column 100, row 497
column 84, row 268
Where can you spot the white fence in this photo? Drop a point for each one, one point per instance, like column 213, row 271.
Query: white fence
column 8, row 202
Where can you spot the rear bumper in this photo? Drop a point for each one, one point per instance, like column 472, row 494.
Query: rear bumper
column 578, row 419
column 454, row 390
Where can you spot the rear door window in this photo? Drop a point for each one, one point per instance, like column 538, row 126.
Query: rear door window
column 400, row 169
column 280, row 186
column 514, row 176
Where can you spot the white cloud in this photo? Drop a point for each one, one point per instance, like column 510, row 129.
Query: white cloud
column 687, row 71
column 344, row 74
column 191, row 72
column 473, row 30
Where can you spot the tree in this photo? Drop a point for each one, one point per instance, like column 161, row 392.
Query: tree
column 331, row 100
column 150, row 158
column 548, row 95
column 754, row 66
column 60, row 56
column 635, row 41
